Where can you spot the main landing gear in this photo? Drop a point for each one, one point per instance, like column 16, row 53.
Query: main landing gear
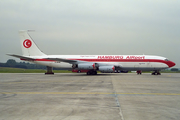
column 91, row 72
column 139, row 72
column 156, row 73
column 49, row 71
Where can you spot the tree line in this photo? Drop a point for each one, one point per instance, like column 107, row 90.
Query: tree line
column 14, row 64
column 25, row 65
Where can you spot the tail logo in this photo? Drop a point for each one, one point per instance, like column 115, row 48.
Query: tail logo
column 27, row 43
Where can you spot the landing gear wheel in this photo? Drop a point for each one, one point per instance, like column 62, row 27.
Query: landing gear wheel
column 49, row 71
column 94, row 72
column 91, row 73
column 156, row 73
column 88, row 73
column 139, row 72
column 153, row 73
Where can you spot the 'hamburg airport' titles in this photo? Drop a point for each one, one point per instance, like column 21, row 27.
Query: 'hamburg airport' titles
column 121, row 57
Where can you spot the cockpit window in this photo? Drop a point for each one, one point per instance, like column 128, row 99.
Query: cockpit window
column 166, row 60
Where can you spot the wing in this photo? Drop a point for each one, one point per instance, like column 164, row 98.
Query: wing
column 83, row 62
column 62, row 60
column 66, row 60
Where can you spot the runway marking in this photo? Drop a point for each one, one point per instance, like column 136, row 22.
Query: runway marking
column 89, row 82
column 117, row 100
column 50, row 82
column 89, row 93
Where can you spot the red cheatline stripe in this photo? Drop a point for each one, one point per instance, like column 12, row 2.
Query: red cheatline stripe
column 121, row 60
column 108, row 60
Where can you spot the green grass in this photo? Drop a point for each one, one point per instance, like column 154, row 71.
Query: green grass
column 20, row 70
column 168, row 71
column 163, row 71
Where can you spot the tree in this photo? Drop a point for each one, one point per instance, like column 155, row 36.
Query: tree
column 21, row 66
column 2, row 65
column 11, row 63
column 174, row 69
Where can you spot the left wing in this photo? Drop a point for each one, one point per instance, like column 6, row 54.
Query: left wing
column 82, row 62
column 61, row 60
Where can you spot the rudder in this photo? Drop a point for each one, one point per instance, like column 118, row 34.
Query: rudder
column 29, row 48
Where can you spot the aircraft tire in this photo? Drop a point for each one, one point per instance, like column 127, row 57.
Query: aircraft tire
column 88, row 73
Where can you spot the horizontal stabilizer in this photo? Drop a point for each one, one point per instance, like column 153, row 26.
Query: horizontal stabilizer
column 21, row 57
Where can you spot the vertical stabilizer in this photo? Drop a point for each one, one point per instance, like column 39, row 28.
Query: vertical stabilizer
column 29, row 48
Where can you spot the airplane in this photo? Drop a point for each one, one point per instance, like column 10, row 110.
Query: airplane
column 90, row 63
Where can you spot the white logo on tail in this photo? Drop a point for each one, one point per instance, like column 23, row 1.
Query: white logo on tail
column 27, row 43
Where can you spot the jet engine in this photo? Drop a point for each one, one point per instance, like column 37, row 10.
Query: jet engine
column 107, row 69
column 84, row 66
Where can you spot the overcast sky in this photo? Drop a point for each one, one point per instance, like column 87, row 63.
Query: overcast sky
column 102, row 27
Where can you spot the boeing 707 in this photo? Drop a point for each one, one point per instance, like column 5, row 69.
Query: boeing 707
column 91, row 63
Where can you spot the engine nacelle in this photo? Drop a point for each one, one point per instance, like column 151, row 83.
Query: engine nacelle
column 107, row 69
column 84, row 66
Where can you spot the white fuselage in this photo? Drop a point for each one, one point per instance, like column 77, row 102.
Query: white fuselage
column 125, row 62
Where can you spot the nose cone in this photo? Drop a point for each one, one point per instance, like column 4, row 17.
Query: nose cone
column 171, row 64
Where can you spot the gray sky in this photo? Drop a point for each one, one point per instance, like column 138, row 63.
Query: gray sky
column 113, row 27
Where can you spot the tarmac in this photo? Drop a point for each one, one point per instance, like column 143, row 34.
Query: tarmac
column 76, row 96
